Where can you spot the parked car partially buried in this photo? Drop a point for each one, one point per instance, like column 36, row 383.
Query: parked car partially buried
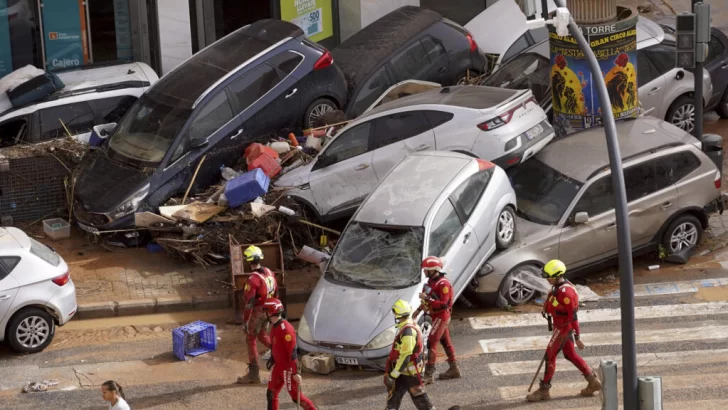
column 503, row 126
column 260, row 78
column 566, row 204
column 36, row 292
column 432, row 203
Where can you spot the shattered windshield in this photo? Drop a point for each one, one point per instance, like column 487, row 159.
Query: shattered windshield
column 148, row 130
column 543, row 193
column 378, row 257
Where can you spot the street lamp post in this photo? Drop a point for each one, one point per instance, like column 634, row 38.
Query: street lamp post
column 698, row 130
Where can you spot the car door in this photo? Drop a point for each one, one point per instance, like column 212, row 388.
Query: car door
column 77, row 118
column 453, row 240
column 717, row 62
column 377, row 83
column 651, row 198
column 674, row 81
column 582, row 244
column 8, row 285
column 282, row 108
column 651, row 86
column 343, row 176
column 414, row 63
column 396, row 136
column 439, row 62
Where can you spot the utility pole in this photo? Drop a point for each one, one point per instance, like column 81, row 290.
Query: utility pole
column 698, row 130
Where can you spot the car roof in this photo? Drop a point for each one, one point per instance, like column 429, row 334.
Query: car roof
column 13, row 238
column 406, row 195
column 190, row 80
column 364, row 51
column 583, row 153
column 466, row 96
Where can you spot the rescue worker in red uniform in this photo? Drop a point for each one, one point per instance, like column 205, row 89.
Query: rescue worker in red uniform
column 562, row 303
column 261, row 286
column 404, row 365
column 437, row 300
column 284, row 358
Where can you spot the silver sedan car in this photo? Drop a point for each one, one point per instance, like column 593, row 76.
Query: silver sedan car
column 431, row 203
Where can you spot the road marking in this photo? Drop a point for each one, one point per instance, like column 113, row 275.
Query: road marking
column 669, row 382
column 643, row 359
column 602, row 315
column 519, row 344
column 670, row 288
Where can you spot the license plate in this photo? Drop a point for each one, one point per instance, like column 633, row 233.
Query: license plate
column 88, row 229
column 535, row 131
column 347, row 360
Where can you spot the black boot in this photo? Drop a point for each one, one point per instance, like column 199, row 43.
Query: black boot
column 422, row 402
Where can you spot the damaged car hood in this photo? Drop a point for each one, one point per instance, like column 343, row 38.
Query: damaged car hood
column 353, row 316
column 103, row 185
column 296, row 177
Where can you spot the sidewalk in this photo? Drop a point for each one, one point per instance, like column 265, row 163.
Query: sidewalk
column 124, row 282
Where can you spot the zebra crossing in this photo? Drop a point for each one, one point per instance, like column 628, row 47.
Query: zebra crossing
column 685, row 342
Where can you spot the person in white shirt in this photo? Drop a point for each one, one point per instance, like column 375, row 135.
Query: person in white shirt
column 114, row 394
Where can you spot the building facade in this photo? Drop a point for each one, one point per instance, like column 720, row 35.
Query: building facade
column 59, row 34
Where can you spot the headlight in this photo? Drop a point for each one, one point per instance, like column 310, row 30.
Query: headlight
column 304, row 332
column 383, row 339
column 131, row 204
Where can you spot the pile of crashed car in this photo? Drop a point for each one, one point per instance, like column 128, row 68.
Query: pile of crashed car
column 418, row 164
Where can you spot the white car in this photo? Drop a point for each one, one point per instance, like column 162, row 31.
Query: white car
column 431, row 204
column 36, row 292
column 503, row 126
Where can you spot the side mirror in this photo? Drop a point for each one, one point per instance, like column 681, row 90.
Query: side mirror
column 680, row 75
column 198, row 143
column 581, row 218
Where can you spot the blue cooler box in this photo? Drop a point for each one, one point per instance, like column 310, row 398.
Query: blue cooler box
column 246, row 187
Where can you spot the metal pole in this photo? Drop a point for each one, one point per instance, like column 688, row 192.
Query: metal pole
column 698, row 129
column 624, row 242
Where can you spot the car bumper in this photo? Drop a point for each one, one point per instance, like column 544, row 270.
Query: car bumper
column 527, row 150
column 64, row 303
column 369, row 358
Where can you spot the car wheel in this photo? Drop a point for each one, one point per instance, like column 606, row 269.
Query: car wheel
column 516, row 292
column 685, row 232
column 316, row 110
column 31, row 330
column 722, row 108
column 505, row 228
column 682, row 114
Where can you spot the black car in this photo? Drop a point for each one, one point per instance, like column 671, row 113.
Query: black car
column 410, row 43
column 716, row 63
column 260, row 78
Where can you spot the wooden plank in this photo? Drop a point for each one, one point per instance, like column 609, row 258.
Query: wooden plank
column 168, row 211
column 149, row 219
column 198, row 212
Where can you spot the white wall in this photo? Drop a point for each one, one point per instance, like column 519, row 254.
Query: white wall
column 175, row 37
column 372, row 10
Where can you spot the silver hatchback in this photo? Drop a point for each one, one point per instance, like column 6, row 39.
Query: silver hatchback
column 566, row 204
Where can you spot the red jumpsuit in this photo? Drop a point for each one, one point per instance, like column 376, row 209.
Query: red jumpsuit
column 285, row 365
column 439, row 307
column 261, row 285
column 562, row 304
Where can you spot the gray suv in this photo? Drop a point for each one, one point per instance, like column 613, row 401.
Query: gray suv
column 566, row 204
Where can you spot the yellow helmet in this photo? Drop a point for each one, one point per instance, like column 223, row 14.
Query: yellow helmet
column 401, row 309
column 253, row 254
column 553, row 269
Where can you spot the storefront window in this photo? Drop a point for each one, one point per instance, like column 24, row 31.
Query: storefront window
column 110, row 30
column 19, row 37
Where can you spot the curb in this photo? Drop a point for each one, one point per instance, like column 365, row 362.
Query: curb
column 165, row 304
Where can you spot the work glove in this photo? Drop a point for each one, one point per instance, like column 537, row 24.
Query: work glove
column 388, row 381
column 298, row 379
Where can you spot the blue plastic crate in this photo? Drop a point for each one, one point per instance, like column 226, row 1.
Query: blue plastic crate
column 206, row 332
column 246, row 187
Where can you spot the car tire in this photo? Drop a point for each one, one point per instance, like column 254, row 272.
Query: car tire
column 31, row 330
column 680, row 113
column 317, row 109
column 722, row 108
column 685, row 232
column 505, row 228
column 517, row 292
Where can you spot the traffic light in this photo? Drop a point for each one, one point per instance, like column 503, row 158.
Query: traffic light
column 685, row 55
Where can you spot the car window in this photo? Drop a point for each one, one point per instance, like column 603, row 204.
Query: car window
column 675, row 167
column 529, row 70
column 467, row 195
column 445, row 228
column 209, row 119
column 518, row 46
column 13, row 131
column 715, row 49
column 286, row 61
column 433, row 48
column 597, row 199
column 112, row 109
column 437, row 118
column 411, row 63
column 640, row 181
column 662, row 56
column 44, row 252
column 646, row 71
column 377, row 84
column 10, row 263
column 349, row 144
column 253, row 85
column 77, row 117
column 397, row 127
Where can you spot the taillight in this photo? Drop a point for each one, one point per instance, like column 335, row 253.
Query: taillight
column 324, row 61
column 504, row 118
column 717, row 180
column 483, row 164
column 472, row 42
column 63, row 279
